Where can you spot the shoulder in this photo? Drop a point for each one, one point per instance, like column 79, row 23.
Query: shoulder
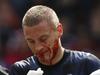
column 87, row 56
column 91, row 62
column 82, row 56
column 23, row 66
column 78, row 54
column 25, row 63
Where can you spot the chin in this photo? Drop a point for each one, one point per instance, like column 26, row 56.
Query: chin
column 46, row 62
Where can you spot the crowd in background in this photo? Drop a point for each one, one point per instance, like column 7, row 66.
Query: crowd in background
column 80, row 19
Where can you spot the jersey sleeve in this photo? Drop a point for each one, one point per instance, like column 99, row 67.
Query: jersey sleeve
column 22, row 67
column 92, row 63
column 19, row 69
column 14, row 70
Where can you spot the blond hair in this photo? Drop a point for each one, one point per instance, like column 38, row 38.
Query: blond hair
column 39, row 13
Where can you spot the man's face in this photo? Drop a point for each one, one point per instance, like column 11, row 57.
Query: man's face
column 43, row 41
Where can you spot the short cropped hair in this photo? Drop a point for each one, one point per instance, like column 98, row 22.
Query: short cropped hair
column 39, row 13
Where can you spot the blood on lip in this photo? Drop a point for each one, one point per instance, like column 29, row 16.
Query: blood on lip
column 52, row 52
column 41, row 53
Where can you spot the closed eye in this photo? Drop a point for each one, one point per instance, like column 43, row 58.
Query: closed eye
column 31, row 41
column 43, row 38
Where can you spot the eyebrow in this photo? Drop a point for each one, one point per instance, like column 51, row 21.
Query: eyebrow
column 44, row 36
column 29, row 39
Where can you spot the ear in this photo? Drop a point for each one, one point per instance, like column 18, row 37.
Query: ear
column 60, row 30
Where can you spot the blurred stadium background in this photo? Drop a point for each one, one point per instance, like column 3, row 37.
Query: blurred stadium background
column 80, row 19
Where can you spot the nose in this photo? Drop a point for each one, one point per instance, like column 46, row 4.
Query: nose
column 38, row 47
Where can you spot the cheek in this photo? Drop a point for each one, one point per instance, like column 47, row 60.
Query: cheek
column 55, row 49
column 50, row 43
column 55, row 46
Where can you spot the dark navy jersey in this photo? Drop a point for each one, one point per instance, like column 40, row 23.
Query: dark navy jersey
column 72, row 63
